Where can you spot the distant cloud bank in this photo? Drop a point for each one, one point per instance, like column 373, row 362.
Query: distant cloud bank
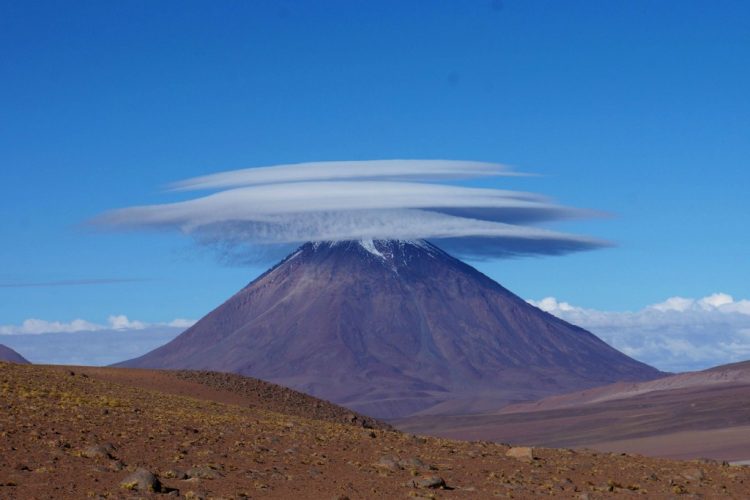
column 286, row 205
column 82, row 342
column 678, row 334
column 118, row 322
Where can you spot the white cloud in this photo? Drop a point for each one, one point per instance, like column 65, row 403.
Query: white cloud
column 716, row 301
column 385, row 199
column 550, row 304
column 181, row 323
column 677, row 334
column 121, row 322
column 35, row 326
column 674, row 304
column 118, row 322
column 739, row 306
column 95, row 348
column 329, row 170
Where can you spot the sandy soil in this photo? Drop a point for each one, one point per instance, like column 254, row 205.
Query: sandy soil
column 78, row 433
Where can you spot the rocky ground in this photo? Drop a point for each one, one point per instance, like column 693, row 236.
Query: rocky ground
column 69, row 432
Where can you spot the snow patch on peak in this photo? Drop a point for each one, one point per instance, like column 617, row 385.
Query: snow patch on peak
column 369, row 246
column 386, row 250
column 424, row 245
column 294, row 255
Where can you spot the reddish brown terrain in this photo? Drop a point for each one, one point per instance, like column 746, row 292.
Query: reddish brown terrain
column 697, row 414
column 11, row 356
column 392, row 328
column 72, row 432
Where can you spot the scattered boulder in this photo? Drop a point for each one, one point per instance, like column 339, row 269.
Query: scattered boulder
column 521, row 453
column 174, row 474
column 104, row 450
column 694, row 474
column 431, row 482
column 417, row 439
column 203, row 473
column 389, row 463
column 415, row 463
column 142, row 480
column 116, row 465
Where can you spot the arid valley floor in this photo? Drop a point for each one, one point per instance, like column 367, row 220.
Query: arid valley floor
column 75, row 432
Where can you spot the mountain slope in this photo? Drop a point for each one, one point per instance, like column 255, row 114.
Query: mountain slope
column 734, row 375
column 690, row 415
column 391, row 328
column 11, row 356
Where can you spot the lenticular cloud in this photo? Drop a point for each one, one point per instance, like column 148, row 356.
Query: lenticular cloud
column 269, row 207
column 340, row 170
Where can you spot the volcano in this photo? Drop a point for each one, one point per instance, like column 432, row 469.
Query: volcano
column 9, row 355
column 394, row 328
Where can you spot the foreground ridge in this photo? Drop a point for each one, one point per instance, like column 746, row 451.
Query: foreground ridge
column 74, row 432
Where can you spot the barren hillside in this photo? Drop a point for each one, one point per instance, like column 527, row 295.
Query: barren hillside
column 70, row 432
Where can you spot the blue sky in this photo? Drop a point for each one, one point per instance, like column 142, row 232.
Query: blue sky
column 636, row 108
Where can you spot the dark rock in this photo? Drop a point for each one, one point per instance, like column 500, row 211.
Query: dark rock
column 175, row 474
column 693, row 474
column 203, row 473
column 521, row 453
column 104, row 450
column 431, row 482
column 142, row 480
column 415, row 463
column 389, row 463
column 116, row 465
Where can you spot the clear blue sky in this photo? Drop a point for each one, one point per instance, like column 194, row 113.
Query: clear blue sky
column 637, row 108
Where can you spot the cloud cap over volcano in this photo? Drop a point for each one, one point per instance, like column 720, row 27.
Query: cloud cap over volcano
column 355, row 200
column 340, row 170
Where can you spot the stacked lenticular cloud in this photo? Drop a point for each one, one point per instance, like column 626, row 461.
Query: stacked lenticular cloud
column 363, row 200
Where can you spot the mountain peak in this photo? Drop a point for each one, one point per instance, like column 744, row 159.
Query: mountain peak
column 397, row 253
column 391, row 328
